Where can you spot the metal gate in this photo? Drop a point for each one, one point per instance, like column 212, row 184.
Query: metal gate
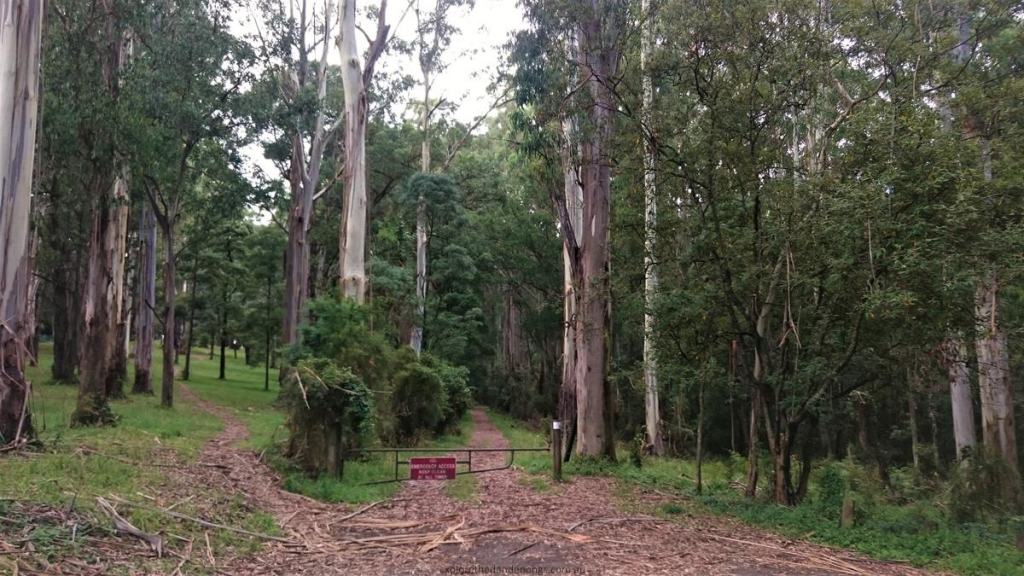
column 468, row 461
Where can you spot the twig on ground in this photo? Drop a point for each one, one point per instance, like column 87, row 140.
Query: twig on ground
column 209, row 549
column 155, row 541
column 358, row 512
column 600, row 520
column 207, row 523
column 523, row 549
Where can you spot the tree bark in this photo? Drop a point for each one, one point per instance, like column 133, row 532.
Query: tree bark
column 954, row 357
column 170, row 326
column 600, row 58
column 120, row 297
column 303, row 179
column 416, row 338
column 573, row 198
column 652, row 412
column 66, row 319
column 752, row 455
column 997, row 425
column 144, row 328
column 104, row 287
column 20, row 43
column 355, row 79
column 190, row 325
column 223, row 338
column 101, row 304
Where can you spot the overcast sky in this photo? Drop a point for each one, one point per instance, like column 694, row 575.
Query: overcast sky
column 471, row 61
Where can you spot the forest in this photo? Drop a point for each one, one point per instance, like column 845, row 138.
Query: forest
column 751, row 274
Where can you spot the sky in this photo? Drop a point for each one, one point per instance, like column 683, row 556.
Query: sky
column 471, row 61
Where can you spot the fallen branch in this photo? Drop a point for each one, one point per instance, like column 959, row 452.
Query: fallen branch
column 523, row 549
column 209, row 550
column 600, row 520
column 821, row 560
column 207, row 523
column 360, row 511
column 155, row 541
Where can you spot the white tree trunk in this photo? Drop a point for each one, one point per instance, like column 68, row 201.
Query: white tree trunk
column 652, row 412
column 416, row 341
column 20, row 39
column 574, row 208
column 997, row 423
column 352, row 239
column 954, row 356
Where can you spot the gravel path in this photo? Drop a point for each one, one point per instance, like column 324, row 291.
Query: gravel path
column 574, row 528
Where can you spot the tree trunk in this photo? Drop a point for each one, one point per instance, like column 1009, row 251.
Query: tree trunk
column 121, row 296
column 104, row 288
column 144, row 329
column 20, row 35
column 223, row 339
column 190, row 326
column 997, row 426
column 700, row 437
column 574, row 218
column 170, row 330
column 914, row 443
column 66, row 320
column 752, row 455
column 954, row 357
column 303, row 179
column 652, row 413
column 416, row 339
column 352, row 235
column 600, row 58
column 101, row 304
column 266, row 359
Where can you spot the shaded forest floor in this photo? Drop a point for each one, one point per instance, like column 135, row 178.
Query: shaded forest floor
column 168, row 472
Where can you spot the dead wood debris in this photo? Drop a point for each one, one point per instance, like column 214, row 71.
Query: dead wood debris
column 818, row 560
column 609, row 520
column 155, row 541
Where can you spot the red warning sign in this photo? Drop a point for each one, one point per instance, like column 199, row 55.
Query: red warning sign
column 442, row 468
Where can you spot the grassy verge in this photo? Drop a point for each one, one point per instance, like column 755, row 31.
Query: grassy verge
column 75, row 465
column 536, row 465
column 918, row 532
column 243, row 392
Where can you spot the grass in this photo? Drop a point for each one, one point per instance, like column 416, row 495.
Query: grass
column 243, row 392
column 75, row 465
column 918, row 532
column 536, row 465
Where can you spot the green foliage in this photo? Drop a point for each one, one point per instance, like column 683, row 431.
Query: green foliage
column 340, row 332
column 457, row 396
column 982, row 488
column 417, row 403
column 328, row 407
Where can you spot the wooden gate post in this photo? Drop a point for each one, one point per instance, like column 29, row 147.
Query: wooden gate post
column 556, row 450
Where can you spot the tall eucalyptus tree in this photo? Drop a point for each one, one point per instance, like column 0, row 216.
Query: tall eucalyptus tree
column 21, row 23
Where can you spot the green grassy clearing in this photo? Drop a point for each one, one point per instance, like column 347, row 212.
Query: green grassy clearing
column 75, row 465
column 243, row 392
column 918, row 532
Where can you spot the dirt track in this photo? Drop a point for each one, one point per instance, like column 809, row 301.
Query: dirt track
column 574, row 528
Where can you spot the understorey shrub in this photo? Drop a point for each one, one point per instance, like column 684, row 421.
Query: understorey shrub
column 456, row 394
column 417, row 403
column 329, row 409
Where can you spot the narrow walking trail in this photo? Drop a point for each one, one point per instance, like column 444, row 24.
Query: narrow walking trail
column 574, row 528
